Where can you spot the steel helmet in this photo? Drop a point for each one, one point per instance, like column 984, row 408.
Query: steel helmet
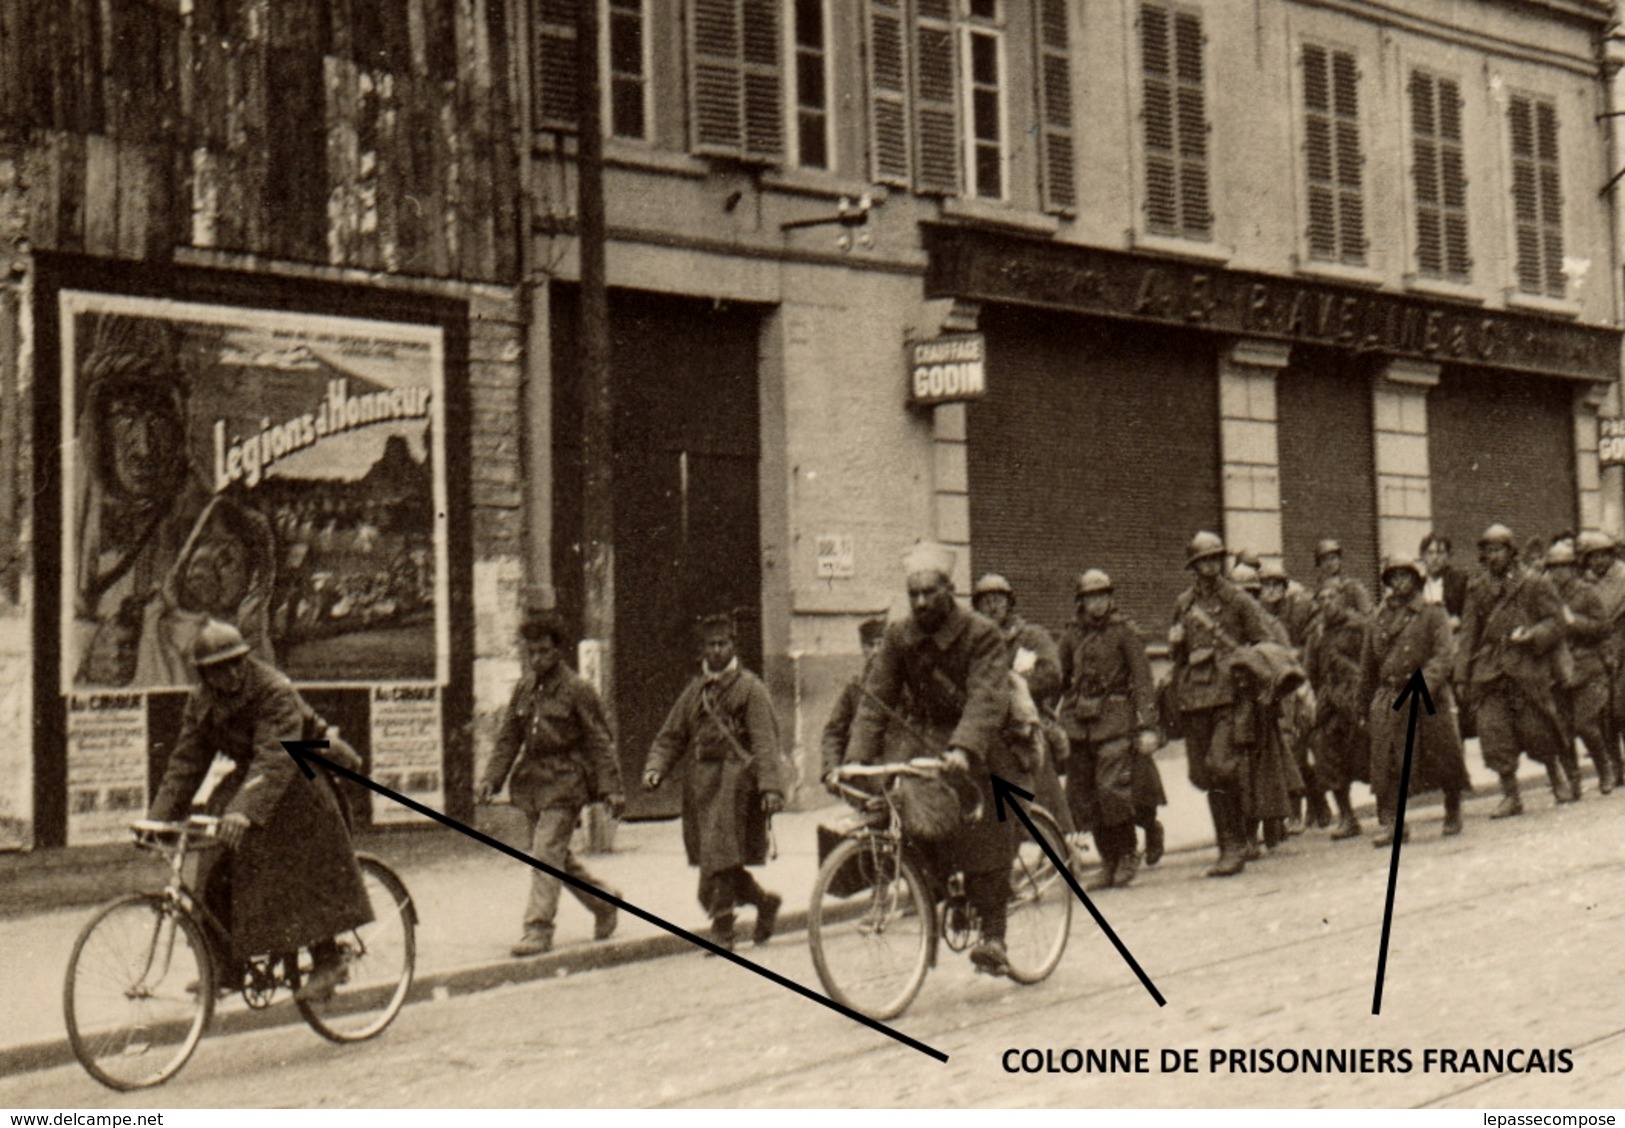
column 992, row 584
column 1399, row 562
column 1203, row 545
column 1327, row 547
column 1593, row 540
column 1246, row 576
column 1094, row 582
column 217, row 642
column 1560, row 554
column 1499, row 534
column 1272, row 570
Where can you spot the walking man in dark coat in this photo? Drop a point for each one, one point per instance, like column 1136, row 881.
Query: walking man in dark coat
column 1410, row 635
column 1336, row 642
column 290, row 880
column 1212, row 620
column 1586, row 630
column 556, row 755
column 944, row 673
column 737, row 779
column 1509, row 629
column 838, row 729
column 1109, row 709
column 1606, row 574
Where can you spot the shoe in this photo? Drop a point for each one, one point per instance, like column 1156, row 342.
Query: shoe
column 1155, row 842
column 722, row 932
column 324, row 979
column 603, row 925
column 1105, row 877
column 990, row 958
column 1386, row 837
column 1123, row 873
column 1294, row 827
column 1452, row 824
column 532, row 944
column 1252, row 851
column 1511, row 805
column 1231, row 862
column 767, row 916
column 1347, row 827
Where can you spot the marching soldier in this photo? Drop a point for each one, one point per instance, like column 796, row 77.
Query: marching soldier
column 1409, row 635
column 1212, row 620
column 1607, row 574
column 1342, row 612
column 1110, row 712
column 1286, row 599
column 1585, row 629
column 1509, row 629
column 1293, row 608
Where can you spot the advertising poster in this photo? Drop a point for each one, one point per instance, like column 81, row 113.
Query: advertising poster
column 406, row 749
column 107, row 765
column 284, row 472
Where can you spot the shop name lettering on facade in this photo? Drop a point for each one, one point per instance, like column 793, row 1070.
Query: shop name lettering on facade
column 947, row 369
column 1611, row 442
column 977, row 267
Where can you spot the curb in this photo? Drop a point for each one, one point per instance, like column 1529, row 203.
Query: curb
column 428, row 986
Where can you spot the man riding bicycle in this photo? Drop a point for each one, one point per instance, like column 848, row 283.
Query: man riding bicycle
column 289, row 879
column 944, row 675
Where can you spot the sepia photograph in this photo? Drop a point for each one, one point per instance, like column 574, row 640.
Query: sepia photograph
column 809, row 554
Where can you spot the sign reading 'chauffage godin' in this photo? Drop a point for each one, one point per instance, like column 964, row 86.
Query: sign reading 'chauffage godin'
column 947, row 369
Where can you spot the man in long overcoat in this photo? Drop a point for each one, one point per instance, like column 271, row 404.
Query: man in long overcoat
column 944, row 673
column 1586, row 630
column 1109, row 708
column 556, row 755
column 723, row 722
column 1409, row 635
column 1606, row 573
column 1510, row 627
column 1336, row 641
column 1212, row 620
column 290, row 880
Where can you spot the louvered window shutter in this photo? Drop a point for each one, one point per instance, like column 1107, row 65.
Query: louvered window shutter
column 888, row 95
column 1161, row 167
column 936, row 107
column 1333, row 172
column 736, row 103
column 1175, row 119
column 1190, row 114
column 1439, row 177
column 557, row 106
column 1056, row 169
column 1537, row 201
column 1551, row 198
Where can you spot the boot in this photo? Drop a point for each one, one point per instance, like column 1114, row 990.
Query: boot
column 1127, row 865
column 1155, row 842
column 1452, row 813
column 1229, row 829
column 1319, row 813
column 722, row 932
column 1250, row 848
column 767, row 916
column 1511, row 802
column 1605, row 774
column 1347, row 825
column 1106, row 876
column 1563, row 789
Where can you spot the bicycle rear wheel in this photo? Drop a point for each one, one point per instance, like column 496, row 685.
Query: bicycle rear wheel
column 139, row 992
column 871, row 926
column 1040, row 903
column 379, row 960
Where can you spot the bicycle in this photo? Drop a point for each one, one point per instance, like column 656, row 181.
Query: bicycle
column 147, row 969
column 874, row 923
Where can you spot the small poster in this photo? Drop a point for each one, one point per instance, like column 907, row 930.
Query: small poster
column 107, row 765
column 406, row 750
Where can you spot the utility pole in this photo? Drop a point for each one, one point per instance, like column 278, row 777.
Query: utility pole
column 597, row 401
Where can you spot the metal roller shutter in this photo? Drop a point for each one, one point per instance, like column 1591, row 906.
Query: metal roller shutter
column 1501, row 448
column 1328, row 487
column 1097, row 447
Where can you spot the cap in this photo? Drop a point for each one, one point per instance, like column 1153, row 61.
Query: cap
column 1499, row 534
column 1094, row 582
column 217, row 642
column 929, row 556
column 1326, row 548
column 992, row 584
column 1399, row 562
column 542, row 623
column 1203, row 545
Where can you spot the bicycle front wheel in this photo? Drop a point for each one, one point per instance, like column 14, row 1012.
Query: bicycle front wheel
column 139, row 992
column 379, row 959
column 1040, row 917
column 871, row 926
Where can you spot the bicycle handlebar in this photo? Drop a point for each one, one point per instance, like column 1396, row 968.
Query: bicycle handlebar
column 925, row 767
column 198, row 830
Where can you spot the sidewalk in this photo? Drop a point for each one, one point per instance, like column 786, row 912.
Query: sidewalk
column 469, row 901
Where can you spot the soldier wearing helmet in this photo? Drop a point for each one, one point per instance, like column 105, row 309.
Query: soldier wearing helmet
column 1110, row 712
column 1291, row 606
column 1585, row 630
column 1286, row 599
column 1212, row 620
column 290, row 878
column 1604, row 570
column 1336, row 639
column 1506, row 669
column 1407, row 635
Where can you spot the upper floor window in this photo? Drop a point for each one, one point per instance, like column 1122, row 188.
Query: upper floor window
column 1333, row 162
column 1438, row 172
column 984, row 96
column 809, row 56
column 1175, row 119
column 624, row 67
column 1537, row 197
column 735, row 82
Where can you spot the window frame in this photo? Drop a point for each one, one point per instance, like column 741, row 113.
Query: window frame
column 1444, row 274
column 792, row 88
column 607, row 73
column 996, row 28
column 1536, row 99
column 1341, row 259
column 1180, row 232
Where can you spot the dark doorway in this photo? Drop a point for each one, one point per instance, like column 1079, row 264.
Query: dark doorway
column 687, row 533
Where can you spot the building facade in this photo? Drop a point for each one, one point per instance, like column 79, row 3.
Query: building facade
column 1287, row 270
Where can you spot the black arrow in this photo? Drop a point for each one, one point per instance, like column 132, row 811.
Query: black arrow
column 1005, row 792
column 1416, row 692
column 302, row 752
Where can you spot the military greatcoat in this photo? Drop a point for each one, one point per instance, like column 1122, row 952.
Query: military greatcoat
column 952, row 687
column 1109, row 699
column 1512, row 684
column 1410, row 635
column 293, row 880
column 724, row 724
